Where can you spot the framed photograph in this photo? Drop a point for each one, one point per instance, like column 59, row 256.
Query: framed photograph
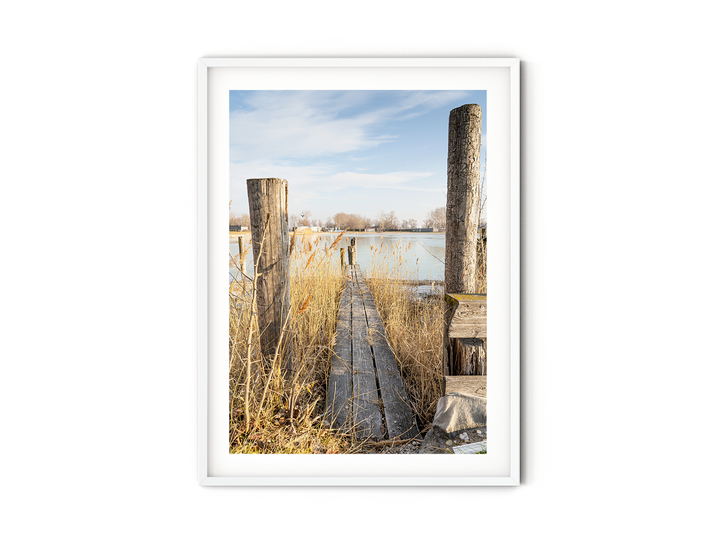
column 355, row 325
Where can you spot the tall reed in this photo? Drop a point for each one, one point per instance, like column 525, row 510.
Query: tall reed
column 481, row 268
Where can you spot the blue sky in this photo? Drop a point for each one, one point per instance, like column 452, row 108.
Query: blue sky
column 358, row 152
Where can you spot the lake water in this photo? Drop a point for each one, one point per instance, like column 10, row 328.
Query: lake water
column 420, row 255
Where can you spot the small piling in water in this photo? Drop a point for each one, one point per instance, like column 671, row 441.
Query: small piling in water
column 352, row 252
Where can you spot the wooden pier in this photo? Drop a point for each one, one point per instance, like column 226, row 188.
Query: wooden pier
column 365, row 390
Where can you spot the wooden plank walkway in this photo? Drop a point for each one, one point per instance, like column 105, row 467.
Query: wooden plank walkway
column 365, row 389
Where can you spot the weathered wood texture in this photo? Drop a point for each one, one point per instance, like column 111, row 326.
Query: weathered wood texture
column 468, row 384
column 466, row 334
column 268, row 202
column 366, row 403
column 352, row 253
column 376, row 385
column 466, row 356
column 342, row 257
column 462, row 356
column 399, row 417
column 463, row 199
column 468, row 318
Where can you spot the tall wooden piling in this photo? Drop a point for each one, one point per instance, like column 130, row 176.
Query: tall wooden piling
column 342, row 258
column 462, row 356
column 268, row 202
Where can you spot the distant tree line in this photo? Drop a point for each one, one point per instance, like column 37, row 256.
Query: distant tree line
column 384, row 220
column 243, row 220
column 435, row 218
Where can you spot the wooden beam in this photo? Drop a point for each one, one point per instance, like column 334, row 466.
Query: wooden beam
column 399, row 416
column 365, row 384
column 467, row 384
column 468, row 318
column 366, row 405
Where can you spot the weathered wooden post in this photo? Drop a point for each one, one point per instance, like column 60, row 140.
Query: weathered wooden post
column 268, row 201
column 352, row 252
column 462, row 355
column 342, row 258
column 241, row 257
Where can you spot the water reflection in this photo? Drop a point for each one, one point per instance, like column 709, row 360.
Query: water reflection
column 422, row 254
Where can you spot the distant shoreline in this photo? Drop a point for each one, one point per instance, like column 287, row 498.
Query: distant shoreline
column 235, row 234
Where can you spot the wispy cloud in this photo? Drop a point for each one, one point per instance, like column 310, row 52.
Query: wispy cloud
column 317, row 181
column 328, row 145
column 375, row 181
column 291, row 127
column 299, row 125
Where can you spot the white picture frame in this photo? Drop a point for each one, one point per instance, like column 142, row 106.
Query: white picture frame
column 501, row 78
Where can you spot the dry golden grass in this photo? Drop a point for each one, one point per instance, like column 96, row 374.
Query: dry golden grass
column 286, row 416
column 413, row 325
column 481, row 269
